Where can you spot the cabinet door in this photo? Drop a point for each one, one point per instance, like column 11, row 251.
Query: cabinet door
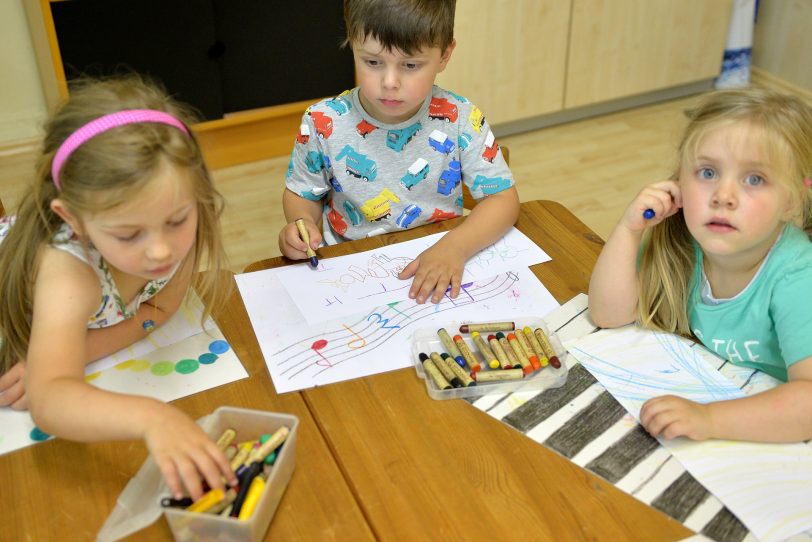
column 620, row 48
column 510, row 56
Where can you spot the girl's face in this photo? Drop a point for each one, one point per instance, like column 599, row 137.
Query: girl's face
column 395, row 85
column 734, row 204
column 149, row 235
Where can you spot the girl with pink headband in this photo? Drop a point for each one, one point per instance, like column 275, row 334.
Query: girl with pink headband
column 102, row 250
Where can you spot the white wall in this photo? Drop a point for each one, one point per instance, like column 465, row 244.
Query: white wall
column 783, row 40
column 22, row 104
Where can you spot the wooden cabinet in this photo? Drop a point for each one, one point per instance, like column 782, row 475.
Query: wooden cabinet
column 621, row 48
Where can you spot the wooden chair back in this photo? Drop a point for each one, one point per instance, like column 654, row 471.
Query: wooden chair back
column 468, row 201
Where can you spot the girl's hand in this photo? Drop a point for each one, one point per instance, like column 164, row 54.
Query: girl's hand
column 292, row 246
column 184, row 454
column 434, row 270
column 670, row 417
column 663, row 198
column 12, row 388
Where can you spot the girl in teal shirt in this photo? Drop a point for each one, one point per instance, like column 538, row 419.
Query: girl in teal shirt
column 721, row 253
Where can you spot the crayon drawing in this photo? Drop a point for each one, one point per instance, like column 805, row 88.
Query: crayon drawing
column 301, row 355
column 347, row 285
column 767, row 486
column 194, row 364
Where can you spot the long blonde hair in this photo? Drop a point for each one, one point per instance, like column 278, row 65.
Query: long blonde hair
column 667, row 261
column 102, row 173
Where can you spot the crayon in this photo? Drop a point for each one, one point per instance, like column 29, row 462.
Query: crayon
column 245, row 483
column 470, row 358
column 548, row 348
column 514, row 361
column 536, row 346
column 450, row 347
column 458, row 371
column 231, row 451
column 496, row 376
column 487, row 326
column 276, row 440
column 242, row 455
column 501, row 355
column 524, row 361
column 252, row 497
column 300, row 225
column 487, row 353
column 443, row 367
column 169, row 502
column 648, row 214
column 226, row 438
column 231, row 494
column 207, row 501
column 528, row 350
column 434, row 373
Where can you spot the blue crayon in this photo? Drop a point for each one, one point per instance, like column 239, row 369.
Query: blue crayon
column 648, row 214
column 311, row 254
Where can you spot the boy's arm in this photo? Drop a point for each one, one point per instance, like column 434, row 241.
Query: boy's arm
column 295, row 206
column 780, row 414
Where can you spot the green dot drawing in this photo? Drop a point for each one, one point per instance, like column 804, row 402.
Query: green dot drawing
column 39, row 435
column 207, row 359
column 162, row 368
column 219, row 347
column 187, row 366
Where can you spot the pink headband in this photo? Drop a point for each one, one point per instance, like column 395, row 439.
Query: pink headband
column 101, row 125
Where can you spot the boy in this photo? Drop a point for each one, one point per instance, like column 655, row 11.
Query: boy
column 392, row 153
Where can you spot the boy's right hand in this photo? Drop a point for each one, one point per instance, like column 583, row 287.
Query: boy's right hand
column 184, row 453
column 664, row 198
column 12, row 387
column 292, row 246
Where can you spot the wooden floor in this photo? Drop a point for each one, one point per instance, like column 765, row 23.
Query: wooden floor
column 593, row 166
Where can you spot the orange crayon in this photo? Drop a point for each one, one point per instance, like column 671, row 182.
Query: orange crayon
column 514, row 361
column 467, row 355
column 528, row 350
column 527, row 367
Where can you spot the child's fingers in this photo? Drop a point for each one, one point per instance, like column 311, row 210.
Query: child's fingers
column 409, row 272
column 191, row 477
column 170, row 476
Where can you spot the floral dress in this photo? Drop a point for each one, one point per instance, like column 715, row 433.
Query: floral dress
column 112, row 308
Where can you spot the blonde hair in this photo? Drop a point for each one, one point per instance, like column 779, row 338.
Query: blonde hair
column 404, row 25
column 101, row 174
column 667, row 262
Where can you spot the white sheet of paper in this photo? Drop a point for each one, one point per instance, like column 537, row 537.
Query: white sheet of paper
column 300, row 355
column 767, row 486
column 348, row 285
column 166, row 373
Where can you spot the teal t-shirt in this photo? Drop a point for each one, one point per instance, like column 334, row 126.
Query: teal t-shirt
column 768, row 325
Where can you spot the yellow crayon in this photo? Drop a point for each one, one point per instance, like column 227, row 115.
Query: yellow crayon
column 536, row 345
column 226, row 438
column 501, row 355
column 242, row 454
column 252, row 497
column 231, row 494
column 207, row 501
column 487, row 353
column 549, row 351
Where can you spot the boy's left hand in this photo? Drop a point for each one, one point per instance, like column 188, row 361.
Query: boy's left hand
column 434, row 270
column 670, row 417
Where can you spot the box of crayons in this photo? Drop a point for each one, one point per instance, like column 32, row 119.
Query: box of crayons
column 470, row 359
column 264, row 445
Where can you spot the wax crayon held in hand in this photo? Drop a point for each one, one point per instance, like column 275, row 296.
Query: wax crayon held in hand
column 300, row 225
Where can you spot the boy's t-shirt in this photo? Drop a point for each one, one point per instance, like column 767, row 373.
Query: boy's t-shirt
column 376, row 178
column 768, row 325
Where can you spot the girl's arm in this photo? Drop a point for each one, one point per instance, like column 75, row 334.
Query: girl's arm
column 66, row 293
column 159, row 309
column 781, row 414
column 613, row 286
column 442, row 264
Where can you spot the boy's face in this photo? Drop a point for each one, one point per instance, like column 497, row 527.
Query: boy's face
column 394, row 85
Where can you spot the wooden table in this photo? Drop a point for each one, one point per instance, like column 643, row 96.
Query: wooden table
column 376, row 457
column 422, row 469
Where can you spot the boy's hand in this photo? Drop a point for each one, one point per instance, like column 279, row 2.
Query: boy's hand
column 292, row 246
column 670, row 417
column 12, row 388
column 434, row 270
column 184, row 453
column 663, row 198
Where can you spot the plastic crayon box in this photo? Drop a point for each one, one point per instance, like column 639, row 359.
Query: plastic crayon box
column 427, row 340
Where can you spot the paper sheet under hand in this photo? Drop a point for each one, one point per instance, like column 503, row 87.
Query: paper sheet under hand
column 767, row 486
column 346, row 285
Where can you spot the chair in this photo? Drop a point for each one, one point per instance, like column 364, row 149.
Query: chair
column 468, row 201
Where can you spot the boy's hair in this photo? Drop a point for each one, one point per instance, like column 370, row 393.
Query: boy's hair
column 104, row 172
column 403, row 25
column 783, row 124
